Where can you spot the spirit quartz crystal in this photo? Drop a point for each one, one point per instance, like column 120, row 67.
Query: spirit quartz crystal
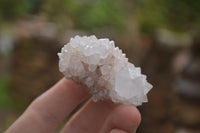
column 104, row 70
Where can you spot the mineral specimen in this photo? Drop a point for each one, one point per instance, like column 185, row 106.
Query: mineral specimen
column 104, row 70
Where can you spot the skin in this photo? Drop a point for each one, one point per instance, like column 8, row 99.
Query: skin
column 46, row 112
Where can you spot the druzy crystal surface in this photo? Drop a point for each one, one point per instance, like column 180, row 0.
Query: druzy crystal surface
column 104, row 70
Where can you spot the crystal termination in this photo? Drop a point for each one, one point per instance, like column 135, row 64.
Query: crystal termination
column 104, row 70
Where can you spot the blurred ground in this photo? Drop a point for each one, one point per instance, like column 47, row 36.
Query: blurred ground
column 160, row 36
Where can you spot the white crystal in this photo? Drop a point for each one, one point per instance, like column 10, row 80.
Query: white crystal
column 92, row 67
column 104, row 70
column 89, row 82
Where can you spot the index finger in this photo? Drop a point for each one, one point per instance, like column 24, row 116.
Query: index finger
column 51, row 108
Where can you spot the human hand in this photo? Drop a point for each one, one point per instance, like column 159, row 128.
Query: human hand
column 51, row 108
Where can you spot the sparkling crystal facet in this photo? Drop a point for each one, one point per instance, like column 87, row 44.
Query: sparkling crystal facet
column 101, row 67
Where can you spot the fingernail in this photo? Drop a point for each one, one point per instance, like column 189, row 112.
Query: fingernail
column 117, row 131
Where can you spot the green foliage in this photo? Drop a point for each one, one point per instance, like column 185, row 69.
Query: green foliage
column 87, row 14
column 5, row 92
column 176, row 15
column 84, row 14
column 103, row 12
column 10, row 9
column 183, row 14
column 57, row 8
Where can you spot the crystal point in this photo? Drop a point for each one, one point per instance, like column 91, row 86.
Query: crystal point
column 104, row 70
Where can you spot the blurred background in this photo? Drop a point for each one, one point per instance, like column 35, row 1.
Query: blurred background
column 161, row 36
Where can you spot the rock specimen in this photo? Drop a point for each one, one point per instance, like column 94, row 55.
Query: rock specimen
column 104, row 70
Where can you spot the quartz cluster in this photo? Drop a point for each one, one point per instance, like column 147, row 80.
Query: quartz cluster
column 104, row 70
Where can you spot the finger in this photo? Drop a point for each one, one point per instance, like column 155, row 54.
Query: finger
column 117, row 131
column 48, row 110
column 91, row 118
column 125, row 118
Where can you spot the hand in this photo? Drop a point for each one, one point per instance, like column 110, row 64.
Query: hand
column 51, row 108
